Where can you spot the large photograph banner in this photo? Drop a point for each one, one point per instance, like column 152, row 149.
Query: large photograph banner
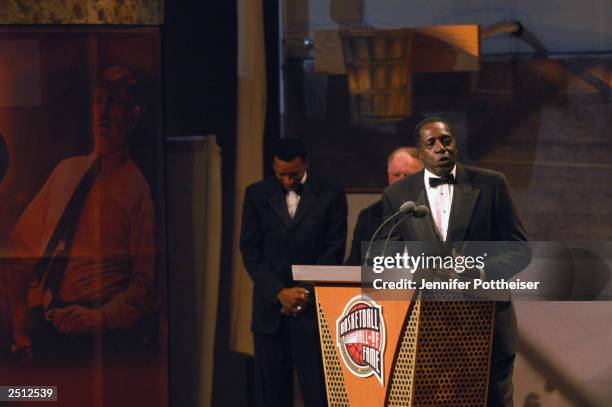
column 82, row 272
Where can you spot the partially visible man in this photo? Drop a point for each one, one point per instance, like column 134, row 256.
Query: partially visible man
column 465, row 204
column 402, row 162
column 294, row 217
column 90, row 234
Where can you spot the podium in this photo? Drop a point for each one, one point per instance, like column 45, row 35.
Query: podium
column 399, row 352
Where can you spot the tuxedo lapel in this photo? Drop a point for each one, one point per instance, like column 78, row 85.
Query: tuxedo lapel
column 278, row 202
column 464, row 200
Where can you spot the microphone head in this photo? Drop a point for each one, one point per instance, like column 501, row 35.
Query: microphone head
column 407, row 207
column 421, row 211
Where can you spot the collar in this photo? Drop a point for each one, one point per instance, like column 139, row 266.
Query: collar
column 428, row 174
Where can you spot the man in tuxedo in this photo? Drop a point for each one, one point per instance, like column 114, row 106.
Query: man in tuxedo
column 402, row 162
column 294, row 217
column 466, row 204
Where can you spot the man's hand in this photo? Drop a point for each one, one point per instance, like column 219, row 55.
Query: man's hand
column 22, row 347
column 295, row 311
column 293, row 300
column 76, row 320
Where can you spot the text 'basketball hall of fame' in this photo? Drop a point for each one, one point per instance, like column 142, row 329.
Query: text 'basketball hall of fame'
column 360, row 335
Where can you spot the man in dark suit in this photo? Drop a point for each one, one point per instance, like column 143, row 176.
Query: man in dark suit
column 294, row 217
column 402, row 162
column 466, row 204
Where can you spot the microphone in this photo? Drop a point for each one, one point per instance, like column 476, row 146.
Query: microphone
column 407, row 208
column 419, row 212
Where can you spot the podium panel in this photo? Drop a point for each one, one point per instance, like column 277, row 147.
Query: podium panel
column 365, row 369
column 412, row 352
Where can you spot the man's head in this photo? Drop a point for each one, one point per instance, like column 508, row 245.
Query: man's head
column 290, row 162
column 115, row 111
column 436, row 145
column 402, row 162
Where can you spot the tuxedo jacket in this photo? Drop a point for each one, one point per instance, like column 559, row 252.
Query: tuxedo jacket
column 481, row 210
column 271, row 241
column 368, row 221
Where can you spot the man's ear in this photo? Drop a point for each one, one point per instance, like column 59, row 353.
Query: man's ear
column 419, row 154
column 136, row 116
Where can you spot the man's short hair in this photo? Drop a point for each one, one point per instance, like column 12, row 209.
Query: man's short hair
column 416, row 135
column 411, row 151
column 286, row 149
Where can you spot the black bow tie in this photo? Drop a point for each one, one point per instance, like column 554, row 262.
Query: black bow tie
column 298, row 190
column 447, row 179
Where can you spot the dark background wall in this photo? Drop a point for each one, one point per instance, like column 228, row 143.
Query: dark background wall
column 199, row 64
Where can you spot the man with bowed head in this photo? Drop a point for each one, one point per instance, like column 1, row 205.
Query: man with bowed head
column 465, row 204
column 293, row 217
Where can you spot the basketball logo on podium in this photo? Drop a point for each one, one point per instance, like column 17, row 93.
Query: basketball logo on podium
column 360, row 335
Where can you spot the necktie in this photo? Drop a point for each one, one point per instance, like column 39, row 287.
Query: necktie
column 54, row 264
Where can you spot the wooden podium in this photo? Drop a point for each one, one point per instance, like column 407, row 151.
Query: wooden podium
column 408, row 352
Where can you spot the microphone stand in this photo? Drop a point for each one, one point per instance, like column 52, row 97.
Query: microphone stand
column 405, row 209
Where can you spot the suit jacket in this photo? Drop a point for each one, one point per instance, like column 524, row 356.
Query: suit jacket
column 481, row 210
column 270, row 241
column 368, row 221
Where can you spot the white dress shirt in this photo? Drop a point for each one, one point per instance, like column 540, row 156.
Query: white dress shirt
column 440, row 201
column 293, row 198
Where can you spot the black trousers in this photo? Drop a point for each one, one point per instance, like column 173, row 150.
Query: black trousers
column 500, row 382
column 294, row 345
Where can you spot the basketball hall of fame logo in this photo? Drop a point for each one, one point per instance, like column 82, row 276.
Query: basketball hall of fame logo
column 360, row 335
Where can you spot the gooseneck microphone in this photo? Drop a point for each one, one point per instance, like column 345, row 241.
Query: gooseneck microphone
column 407, row 208
column 419, row 212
